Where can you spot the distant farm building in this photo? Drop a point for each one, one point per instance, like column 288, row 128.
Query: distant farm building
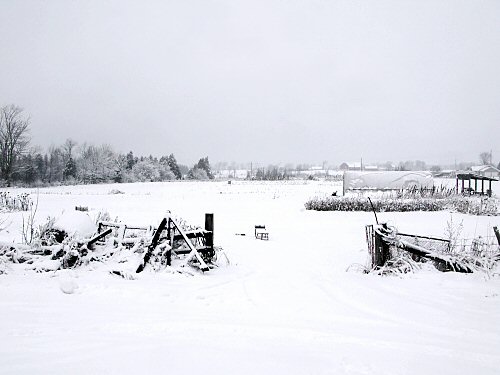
column 486, row 171
column 355, row 166
column 446, row 173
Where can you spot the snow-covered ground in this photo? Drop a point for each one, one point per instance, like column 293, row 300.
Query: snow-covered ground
column 283, row 306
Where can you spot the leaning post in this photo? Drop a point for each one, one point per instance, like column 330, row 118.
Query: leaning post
column 497, row 234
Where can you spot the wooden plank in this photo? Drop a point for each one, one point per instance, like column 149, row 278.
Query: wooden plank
column 152, row 246
column 426, row 237
column 193, row 253
column 448, row 261
column 497, row 234
column 109, row 224
column 193, row 234
column 98, row 237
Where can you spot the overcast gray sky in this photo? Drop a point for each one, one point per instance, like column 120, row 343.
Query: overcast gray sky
column 264, row 81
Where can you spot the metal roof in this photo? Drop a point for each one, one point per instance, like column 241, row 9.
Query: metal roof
column 474, row 176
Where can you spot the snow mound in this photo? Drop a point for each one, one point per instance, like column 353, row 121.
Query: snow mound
column 76, row 223
column 67, row 282
column 68, row 286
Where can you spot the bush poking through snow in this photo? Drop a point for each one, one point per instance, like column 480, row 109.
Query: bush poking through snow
column 19, row 202
column 115, row 191
column 466, row 205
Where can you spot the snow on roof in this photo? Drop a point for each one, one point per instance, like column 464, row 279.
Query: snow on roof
column 484, row 168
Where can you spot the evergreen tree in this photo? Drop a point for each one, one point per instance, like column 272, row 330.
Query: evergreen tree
column 130, row 160
column 174, row 167
column 40, row 167
column 46, row 169
column 204, row 164
column 69, row 169
column 196, row 173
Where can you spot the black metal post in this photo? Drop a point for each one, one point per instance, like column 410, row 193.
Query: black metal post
column 209, row 226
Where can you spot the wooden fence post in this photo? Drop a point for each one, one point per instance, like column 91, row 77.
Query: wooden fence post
column 209, row 226
column 497, row 233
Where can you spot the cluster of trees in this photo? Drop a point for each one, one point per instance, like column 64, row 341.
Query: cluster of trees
column 86, row 163
column 201, row 170
column 272, row 173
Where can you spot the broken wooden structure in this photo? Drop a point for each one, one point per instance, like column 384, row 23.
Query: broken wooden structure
column 128, row 249
column 383, row 241
column 167, row 240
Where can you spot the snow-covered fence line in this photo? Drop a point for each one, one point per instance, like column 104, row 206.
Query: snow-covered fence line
column 466, row 205
column 392, row 252
column 15, row 202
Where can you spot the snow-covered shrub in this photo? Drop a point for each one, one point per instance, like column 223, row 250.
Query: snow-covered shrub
column 3, row 266
column 102, row 216
column 474, row 205
column 380, row 205
column 197, row 174
column 15, row 202
column 437, row 192
column 146, row 171
column 467, row 205
column 165, row 173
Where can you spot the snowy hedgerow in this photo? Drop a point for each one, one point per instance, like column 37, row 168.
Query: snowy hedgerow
column 467, row 205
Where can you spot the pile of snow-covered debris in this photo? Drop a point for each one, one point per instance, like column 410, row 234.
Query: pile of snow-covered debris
column 75, row 240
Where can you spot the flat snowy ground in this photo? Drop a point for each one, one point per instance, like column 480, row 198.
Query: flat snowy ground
column 283, row 306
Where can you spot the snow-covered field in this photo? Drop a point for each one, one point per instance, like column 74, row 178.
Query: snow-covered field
column 283, row 306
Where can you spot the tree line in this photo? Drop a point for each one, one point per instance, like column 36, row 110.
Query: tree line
column 86, row 163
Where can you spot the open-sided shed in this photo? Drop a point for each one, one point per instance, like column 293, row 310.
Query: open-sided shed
column 473, row 182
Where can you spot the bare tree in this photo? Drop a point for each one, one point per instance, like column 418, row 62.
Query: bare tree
column 485, row 158
column 96, row 163
column 68, row 147
column 13, row 138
